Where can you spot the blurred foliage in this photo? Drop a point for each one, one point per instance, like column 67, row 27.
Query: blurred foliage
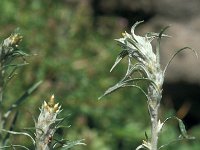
column 72, row 53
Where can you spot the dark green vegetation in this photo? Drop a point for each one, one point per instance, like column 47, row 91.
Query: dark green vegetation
column 74, row 56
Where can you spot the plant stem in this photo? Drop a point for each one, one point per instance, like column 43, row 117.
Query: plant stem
column 153, row 107
column 1, row 83
column 1, row 99
column 40, row 145
column 154, row 126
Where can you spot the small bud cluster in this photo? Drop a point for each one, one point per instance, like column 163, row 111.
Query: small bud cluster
column 13, row 40
column 10, row 45
column 51, row 107
column 45, row 126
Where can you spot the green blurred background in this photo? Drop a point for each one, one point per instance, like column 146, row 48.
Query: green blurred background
column 75, row 50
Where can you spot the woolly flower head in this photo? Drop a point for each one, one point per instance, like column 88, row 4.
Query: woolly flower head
column 142, row 59
column 45, row 126
column 49, row 111
column 137, row 47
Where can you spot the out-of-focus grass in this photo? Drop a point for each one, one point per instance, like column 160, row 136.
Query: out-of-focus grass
column 73, row 58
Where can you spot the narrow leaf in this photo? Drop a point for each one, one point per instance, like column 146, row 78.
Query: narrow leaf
column 22, row 98
column 140, row 147
column 112, row 89
column 15, row 65
column 135, row 86
column 135, row 25
column 143, row 79
column 183, row 130
column 146, row 136
column 158, row 44
column 11, row 127
column 19, row 133
column 174, row 55
column 153, row 35
column 119, row 58
column 71, row 144
column 181, row 127
column 21, row 146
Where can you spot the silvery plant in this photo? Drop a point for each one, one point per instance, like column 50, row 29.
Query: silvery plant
column 12, row 58
column 144, row 65
column 46, row 126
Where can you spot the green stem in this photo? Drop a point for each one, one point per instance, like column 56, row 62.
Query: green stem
column 1, row 99
column 1, row 86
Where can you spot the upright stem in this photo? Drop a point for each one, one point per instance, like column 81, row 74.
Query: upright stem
column 154, row 127
column 153, row 106
column 1, row 83
column 1, row 100
column 41, row 145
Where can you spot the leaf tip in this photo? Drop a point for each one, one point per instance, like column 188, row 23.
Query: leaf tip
column 100, row 97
